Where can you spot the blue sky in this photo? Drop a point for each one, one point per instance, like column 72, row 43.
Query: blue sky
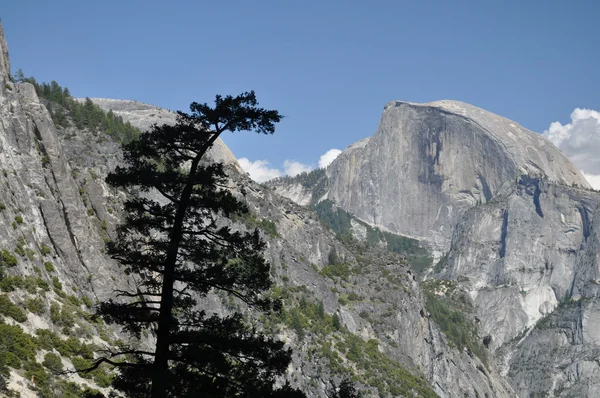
column 328, row 66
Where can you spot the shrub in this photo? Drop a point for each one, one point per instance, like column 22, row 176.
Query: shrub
column 20, row 251
column 56, row 283
column 269, row 227
column 35, row 371
column 10, row 283
column 45, row 250
column 42, row 284
column 81, row 364
column 341, row 270
column 86, row 300
column 16, row 346
column 35, row 305
column 53, row 362
column 62, row 317
column 7, row 259
column 7, row 308
column 335, row 322
column 49, row 266
column 74, row 300
column 19, row 219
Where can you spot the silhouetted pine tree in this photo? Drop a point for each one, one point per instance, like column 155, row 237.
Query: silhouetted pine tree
column 173, row 245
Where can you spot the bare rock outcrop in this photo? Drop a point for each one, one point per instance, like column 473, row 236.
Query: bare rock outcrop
column 144, row 116
column 428, row 163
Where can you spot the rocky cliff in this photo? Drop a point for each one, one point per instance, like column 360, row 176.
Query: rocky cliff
column 512, row 220
column 57, row 212
column 428, row 163
column 144, row 116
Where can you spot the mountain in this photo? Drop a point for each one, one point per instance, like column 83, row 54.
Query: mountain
column 428, row 163
column 508, row 308
column 349, row 309
column 513, row 223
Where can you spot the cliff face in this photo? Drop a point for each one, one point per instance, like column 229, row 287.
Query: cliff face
column 533, row 246
column 43, row 191
column 530, row 259
column 4, row 60
column 428, row 163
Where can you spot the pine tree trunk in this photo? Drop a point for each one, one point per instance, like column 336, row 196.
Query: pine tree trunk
column 160, row 368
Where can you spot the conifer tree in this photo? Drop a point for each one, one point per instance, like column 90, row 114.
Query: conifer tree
column 177, row 247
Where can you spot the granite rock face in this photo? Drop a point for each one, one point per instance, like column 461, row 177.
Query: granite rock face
column 4, row 60
column 512, row 220
column 428, row 163
column 144, row 116
column 530, row 259
column 40, row 188
column 533, row 246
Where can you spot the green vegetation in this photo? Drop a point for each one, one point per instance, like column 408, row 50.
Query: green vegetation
column 49, row 266
column 19, row 219
column 100, row 375
column 7, row 259
column 61, row 317
column 7, row 308
column 441, row 264
column 252, row 221
column 86, row 301
column 67, row 112
column 315, row 180
column 20, row 249
column 29, row 283
column 56, row 283
column 346, row 353
column 53, row 362
column 335, row 218
column 340, row 221
column 69, row 348
column 449, row 308
column 49, row 386
column 45, row 250
column 340, row 270
column 35, row 305
column 16, row 346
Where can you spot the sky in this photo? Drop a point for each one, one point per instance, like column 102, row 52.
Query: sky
column 328, row 66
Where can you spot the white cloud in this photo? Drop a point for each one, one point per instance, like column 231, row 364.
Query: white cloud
column 293, row 167
column 580, row 142
column 259, row 170
column 328, row 157
column 594, row 180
